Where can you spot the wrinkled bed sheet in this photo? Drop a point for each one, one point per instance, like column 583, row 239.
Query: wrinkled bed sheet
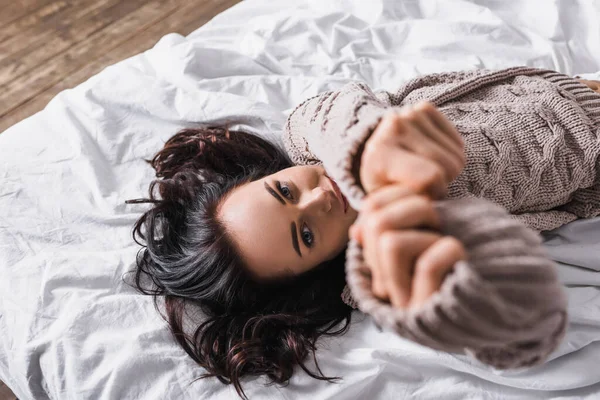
column 71, row 329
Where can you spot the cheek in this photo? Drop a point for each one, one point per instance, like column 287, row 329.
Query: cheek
column 338, row 236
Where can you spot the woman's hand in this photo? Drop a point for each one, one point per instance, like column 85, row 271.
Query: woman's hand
column 407, row 258
column 594, row 85
column 418, row 147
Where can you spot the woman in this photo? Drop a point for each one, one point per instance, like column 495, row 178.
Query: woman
column 258, row 244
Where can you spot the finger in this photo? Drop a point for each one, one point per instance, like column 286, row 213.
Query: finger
column 391, row 126
column 389, row 162
column 371, row 256
column 374, row 201
column 396, row 266
column 378, row 287
column 411, row 212
column 356, row 232
column 428, row 149
column 385, row 195
column 420, row 116
column 432, row 266
column 418, row 173
column 443, row 123
column 447, row 145
column 397, row 253
column 385, row 161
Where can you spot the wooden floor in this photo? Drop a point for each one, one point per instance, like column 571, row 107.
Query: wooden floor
column 47, row 46
column 6, row 394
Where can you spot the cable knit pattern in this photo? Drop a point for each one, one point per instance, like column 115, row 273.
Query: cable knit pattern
column 531, row 140
column 531, row 145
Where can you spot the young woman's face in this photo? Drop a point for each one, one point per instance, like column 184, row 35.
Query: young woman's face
column 288, row 222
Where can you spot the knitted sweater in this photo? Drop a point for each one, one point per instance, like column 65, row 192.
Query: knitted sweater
column 531, row 147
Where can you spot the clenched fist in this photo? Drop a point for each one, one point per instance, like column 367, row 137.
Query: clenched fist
column 417, row 147
column 408, row 259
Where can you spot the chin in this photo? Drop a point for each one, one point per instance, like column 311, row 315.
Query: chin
column 351, row 215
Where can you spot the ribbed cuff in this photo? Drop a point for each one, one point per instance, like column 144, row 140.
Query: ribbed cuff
column 504, row 305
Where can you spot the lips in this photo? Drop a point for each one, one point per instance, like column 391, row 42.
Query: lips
column 338, row 194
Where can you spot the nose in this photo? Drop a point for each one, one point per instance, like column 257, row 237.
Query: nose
column 316, row 202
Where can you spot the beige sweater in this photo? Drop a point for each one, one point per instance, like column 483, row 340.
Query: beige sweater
column 532, row 148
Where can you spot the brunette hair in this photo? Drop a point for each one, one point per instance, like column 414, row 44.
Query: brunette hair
column 187, row 258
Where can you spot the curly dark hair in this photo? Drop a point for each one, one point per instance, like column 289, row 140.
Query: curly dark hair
column 248, row 327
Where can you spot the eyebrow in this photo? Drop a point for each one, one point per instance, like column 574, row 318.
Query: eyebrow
column 295, row 238
column 293, row 224
column 274, row 193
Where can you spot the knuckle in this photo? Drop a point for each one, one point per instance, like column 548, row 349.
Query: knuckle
column 426, row 106
column 368, row 206
column 388, row 243
column 374, row 224
column 430, row 174
column 435, row 174
column 397, row 125
column 392, row 118
column 411, row 115
column 378, row 292
column 422, row 202
column 392, row 123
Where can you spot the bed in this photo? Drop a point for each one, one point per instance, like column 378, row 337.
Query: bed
column 70, row 328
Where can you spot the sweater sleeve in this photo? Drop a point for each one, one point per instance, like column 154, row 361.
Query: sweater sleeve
column 504, row 306
column 331, row 128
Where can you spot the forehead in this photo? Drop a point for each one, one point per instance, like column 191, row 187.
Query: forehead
column 260, row 227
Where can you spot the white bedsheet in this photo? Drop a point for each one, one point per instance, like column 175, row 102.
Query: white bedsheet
column 71, row 329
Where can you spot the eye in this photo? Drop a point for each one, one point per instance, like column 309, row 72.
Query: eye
column 284, row 190
column 307, row 236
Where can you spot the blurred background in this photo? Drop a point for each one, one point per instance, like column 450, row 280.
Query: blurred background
column 47, row 46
